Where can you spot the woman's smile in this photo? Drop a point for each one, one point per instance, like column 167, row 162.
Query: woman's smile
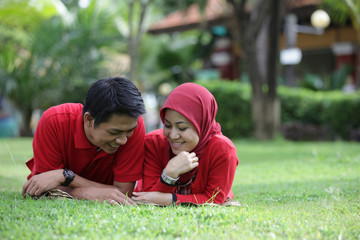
column 176, row 144
column 180, row 132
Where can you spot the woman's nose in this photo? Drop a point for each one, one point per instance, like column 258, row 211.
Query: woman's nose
column 173, row 134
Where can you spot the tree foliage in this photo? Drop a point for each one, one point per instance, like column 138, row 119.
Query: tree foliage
column 56, row 57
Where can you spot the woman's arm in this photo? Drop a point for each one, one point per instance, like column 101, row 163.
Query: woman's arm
column 160, row 198
column 154, row 163
column 220, row 178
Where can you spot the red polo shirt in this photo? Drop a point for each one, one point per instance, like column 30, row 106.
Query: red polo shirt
column 60, row 142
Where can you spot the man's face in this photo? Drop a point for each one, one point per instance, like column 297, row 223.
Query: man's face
column 110, row 135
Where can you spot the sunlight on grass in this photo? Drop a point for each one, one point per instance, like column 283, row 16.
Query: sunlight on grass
column 287, row 190
column 14, row 152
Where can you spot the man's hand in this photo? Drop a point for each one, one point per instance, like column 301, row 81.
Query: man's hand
column 81, row 189
column 43, row 182
column 182, row 163
column 110, row 194
column 164, row 199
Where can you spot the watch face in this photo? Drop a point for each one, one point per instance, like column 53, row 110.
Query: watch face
column 69, row 177
column 69, row 174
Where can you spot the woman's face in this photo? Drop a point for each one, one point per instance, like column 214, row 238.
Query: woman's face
column 180, row 132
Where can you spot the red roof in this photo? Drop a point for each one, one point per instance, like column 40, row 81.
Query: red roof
column 192, row 16
column 215, row 9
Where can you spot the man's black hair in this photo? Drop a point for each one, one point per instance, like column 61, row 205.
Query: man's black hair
column 113, row 95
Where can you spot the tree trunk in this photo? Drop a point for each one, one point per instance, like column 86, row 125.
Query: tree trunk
column 258, row 102
column 263, row 27
column 135, row 34
column 265, row 115
column 25, row 130
column 272, row 119
column 257, row 112
column 262, row 57
column 273, row 103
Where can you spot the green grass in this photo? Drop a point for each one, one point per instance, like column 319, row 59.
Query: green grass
column 288, row 191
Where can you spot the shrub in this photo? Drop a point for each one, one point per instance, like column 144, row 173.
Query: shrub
column 342, row 113
column 298, row 131
column 305, row 114
column 337, row 111
column 234, row 111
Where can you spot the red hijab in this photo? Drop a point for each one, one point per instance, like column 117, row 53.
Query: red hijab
column 199, row 106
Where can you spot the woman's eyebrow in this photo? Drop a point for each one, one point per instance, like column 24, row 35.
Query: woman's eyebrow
column 178, row 122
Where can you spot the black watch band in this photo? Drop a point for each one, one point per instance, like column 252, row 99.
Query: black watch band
column 69, row 177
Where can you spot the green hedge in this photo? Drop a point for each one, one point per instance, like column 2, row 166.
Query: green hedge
column 234, row 110
column 338, row 112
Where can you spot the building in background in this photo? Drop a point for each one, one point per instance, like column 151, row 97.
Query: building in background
column 322, row 54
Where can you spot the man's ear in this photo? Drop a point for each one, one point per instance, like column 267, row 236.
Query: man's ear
column 89, row 121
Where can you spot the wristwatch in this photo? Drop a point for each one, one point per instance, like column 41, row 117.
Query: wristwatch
column 69, row 177
column 168, row 180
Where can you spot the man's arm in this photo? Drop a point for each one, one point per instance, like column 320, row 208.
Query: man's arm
column 42, row 182
column 45, row 177
column 80, row 188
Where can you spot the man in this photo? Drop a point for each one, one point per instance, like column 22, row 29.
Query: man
column 93, row 151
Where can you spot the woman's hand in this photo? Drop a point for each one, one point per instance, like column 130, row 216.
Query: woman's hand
column 181, row 163
column 164, row 199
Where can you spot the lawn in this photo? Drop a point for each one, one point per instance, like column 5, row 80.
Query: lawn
column 287, row 191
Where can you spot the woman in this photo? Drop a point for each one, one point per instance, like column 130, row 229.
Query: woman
column 189, row 160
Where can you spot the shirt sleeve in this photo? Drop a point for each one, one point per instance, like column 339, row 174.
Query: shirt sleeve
column 130, row 159
column 220, row 177
column 46, row 147
column 154, row 164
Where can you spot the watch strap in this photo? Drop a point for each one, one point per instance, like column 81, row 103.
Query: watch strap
column 168, row 180
column 69, row 177
column 174, row 197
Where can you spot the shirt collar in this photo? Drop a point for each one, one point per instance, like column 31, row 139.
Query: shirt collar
column 81, row 140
